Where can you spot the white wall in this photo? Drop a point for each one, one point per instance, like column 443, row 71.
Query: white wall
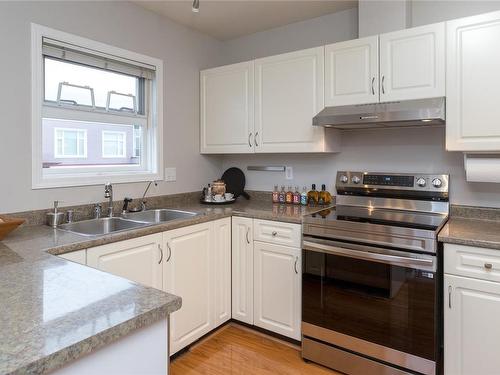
column 125, row 25
column 419, row 150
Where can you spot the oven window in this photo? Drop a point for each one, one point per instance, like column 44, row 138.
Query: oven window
column 388, row 305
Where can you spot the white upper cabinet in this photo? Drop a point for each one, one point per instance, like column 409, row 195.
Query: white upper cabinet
column 351, row 72
column 138, row 259
column 412, row 63
column 473, row 83
column 289, row 92
column 226, row 109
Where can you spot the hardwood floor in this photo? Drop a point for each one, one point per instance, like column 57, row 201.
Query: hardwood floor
column 238, row 351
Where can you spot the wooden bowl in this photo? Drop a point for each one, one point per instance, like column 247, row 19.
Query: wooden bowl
column 8, row 224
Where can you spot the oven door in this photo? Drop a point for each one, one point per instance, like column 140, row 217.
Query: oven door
column 374, row 301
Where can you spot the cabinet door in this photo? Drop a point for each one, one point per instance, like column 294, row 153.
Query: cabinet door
column 473, row 83
column 412, row 63
column 138, row 259
column 242, row 269
column 471, row 326
column 221, row 270
column 288, row 94
column 351, row 72
column 79, row 256
column 226, row 109
column 187, row 274
column 277, row 282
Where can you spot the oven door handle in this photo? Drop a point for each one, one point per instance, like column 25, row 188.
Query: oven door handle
column 410, row 262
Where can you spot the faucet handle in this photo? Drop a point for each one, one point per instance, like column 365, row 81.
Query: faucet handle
column 126, row 202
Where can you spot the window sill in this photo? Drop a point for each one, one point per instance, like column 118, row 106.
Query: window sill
column 94, row 179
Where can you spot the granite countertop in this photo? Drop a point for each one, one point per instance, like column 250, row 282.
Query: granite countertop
column 54, row 311
column 471, row 232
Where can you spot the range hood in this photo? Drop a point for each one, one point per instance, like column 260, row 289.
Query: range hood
column 420, row 112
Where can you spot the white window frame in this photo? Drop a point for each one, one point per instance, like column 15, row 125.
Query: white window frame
column 124, row 146
column 53, row 177
column 134, row 143
column 57, row 155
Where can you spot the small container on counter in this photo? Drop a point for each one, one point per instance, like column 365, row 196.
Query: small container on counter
column 276, row 194
column 296, row 196
column 282, row 195
column 303, row 197
column 289, row 196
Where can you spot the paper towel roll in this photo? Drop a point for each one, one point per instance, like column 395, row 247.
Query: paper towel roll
column 482, row 168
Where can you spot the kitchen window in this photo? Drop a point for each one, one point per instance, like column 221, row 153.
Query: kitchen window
column 70, row 143
column 97, row 115
column 114, row 144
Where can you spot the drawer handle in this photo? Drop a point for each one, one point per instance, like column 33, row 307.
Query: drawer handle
column 274, row 233
column 488, row 266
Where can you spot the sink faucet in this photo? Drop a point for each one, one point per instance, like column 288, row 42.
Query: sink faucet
column 108, row 193
column 143, row 201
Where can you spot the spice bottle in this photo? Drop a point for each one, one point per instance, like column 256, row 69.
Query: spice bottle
column 276, row 194
column 296, row 196
column 289, row 196
column 281, row 195
column 303, row 197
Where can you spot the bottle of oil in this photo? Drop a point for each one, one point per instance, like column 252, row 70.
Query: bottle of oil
column 313, row 196
column 324, row 196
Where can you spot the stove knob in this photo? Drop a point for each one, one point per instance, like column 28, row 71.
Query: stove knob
column 421, row 182
column 355, row 180
column 344, row 179
column 437, row 183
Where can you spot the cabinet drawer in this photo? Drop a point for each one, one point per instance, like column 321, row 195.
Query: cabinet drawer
column 277, row 232
column 470, row 261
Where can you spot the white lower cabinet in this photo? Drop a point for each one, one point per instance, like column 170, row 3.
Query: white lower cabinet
column 197, row 268
column 187, row 274
column 242, row 269
column 471, row 311
column 277, row 287
column 138, row 259
column 79, row 256
column 266, row 278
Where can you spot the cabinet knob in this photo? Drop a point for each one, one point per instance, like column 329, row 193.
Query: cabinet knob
column 488, row 266
column 274, row 233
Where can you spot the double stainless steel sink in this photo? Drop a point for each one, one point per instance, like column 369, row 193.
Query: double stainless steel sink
column 132, row 220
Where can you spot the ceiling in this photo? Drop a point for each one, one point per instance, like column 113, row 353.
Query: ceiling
column 228, row 19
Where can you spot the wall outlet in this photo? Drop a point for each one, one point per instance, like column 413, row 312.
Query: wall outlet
column 170, row 174
column 289, row 173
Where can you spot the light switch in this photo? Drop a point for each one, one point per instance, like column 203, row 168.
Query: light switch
column 289, row 173
column 170, row 174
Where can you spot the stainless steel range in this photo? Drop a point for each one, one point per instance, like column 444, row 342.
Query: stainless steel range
column 371, row 275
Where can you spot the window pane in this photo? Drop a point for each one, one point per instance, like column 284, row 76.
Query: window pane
column 68, row 143
column 101, row 81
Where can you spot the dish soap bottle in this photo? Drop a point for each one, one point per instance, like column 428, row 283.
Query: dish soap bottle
column 276, row 194
column 281, row 195
column 289, row 196
column 296, row 196
column 313, row 196
column 303, row 197
column 324, row 196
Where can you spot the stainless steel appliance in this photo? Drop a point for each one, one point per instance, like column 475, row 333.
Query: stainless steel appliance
column 371, row 270
column 420, row 112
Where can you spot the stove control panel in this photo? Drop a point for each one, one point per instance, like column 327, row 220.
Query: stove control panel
column 391, row 181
